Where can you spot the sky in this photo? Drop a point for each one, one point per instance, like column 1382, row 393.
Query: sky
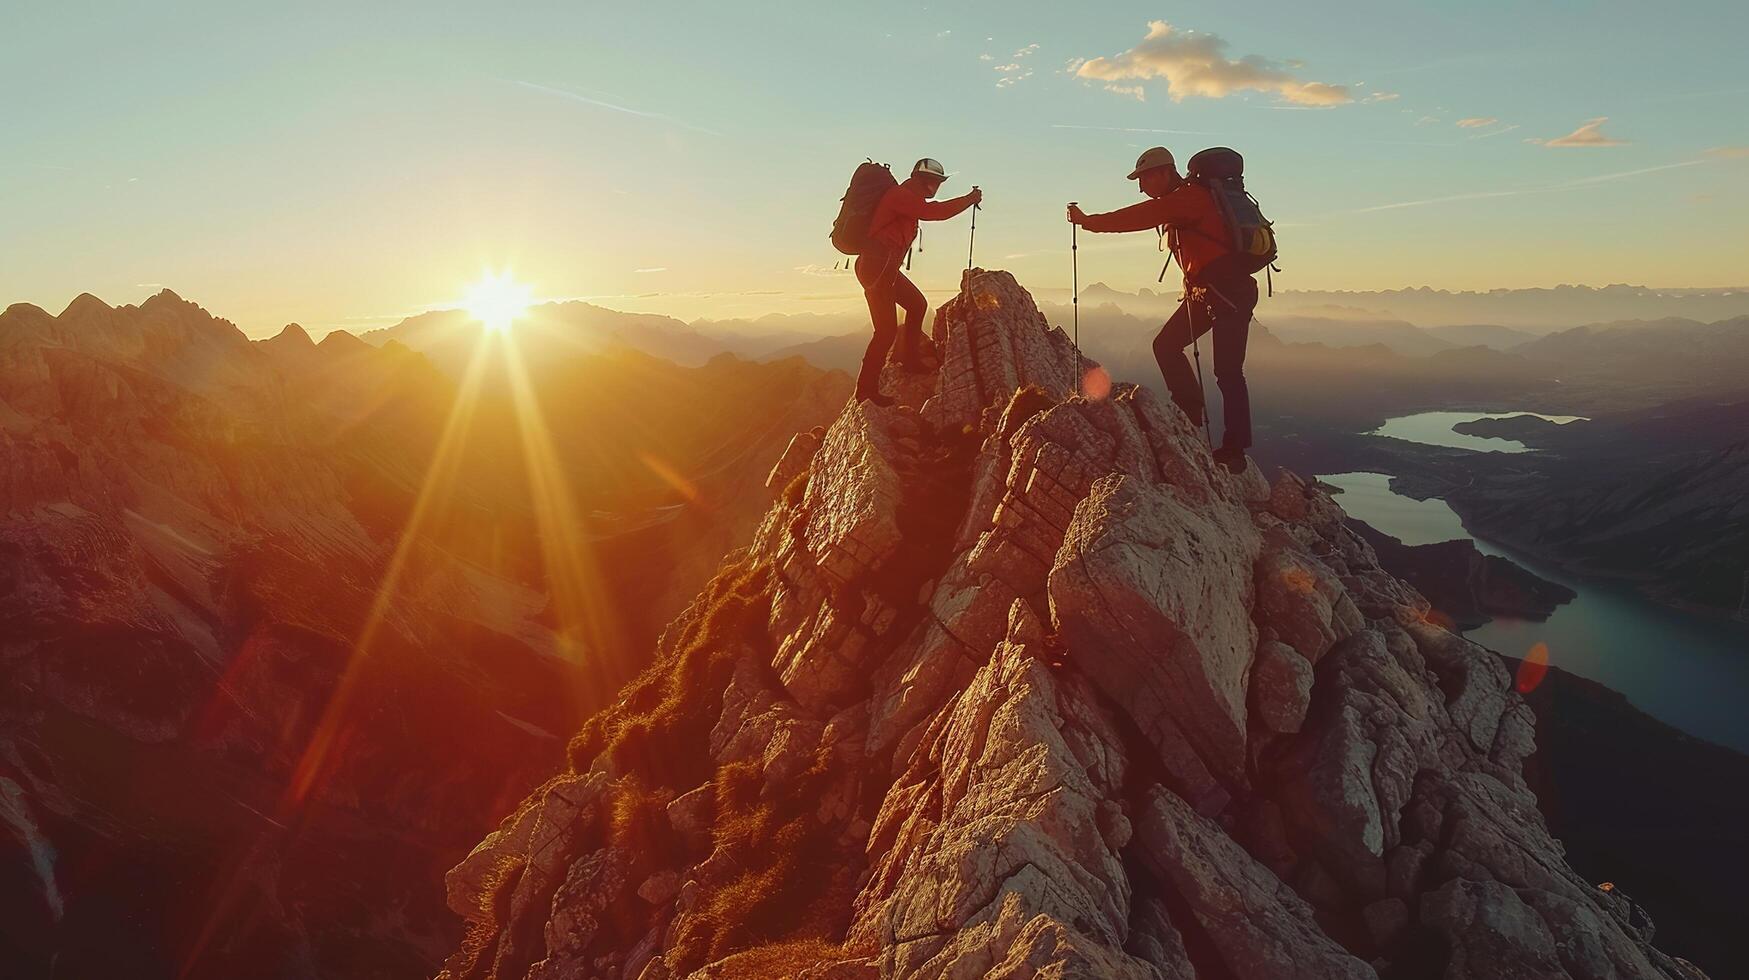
column 343, row 165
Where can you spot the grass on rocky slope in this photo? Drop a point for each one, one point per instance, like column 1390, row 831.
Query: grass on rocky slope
column 661, row 727
column 765, row 882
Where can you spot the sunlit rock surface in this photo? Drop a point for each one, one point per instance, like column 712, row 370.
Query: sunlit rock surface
column 1015, row 683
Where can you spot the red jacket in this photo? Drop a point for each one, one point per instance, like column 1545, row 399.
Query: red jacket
column 895, row 219
column 1188, row 209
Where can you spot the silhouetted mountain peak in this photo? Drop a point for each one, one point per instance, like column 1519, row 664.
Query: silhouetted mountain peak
column 165, row 300
column 342, row 342
column 22, row 311
column 83, row 305
column 293, row 336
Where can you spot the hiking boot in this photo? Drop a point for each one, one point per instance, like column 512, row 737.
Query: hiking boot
column 916, row 353
column 1232, row 457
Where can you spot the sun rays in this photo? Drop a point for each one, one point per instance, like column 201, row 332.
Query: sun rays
column 581, row 614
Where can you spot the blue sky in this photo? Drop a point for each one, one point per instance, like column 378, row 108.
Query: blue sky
column 342, row 166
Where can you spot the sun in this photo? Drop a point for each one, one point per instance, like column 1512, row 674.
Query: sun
column 497, row 300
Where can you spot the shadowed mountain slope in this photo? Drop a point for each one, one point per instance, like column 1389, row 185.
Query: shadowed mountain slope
column 280, row 628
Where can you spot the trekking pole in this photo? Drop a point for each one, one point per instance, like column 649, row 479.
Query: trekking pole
column 1196, row 350
column 1075, row 293
column 974, row 239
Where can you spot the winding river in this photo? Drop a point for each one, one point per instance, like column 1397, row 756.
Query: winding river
column 1689, row 671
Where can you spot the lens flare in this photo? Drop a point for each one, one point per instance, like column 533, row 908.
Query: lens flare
column 1533, row 668
column 1096, row 384
column 497, row 300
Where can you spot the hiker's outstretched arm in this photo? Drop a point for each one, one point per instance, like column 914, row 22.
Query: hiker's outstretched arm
column 1149, row 214
column 916, row 207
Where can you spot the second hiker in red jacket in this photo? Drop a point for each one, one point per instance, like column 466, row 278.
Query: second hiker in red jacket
column 1221, row 304
column 880, row 269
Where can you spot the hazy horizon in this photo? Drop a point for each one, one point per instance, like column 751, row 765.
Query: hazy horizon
column 748, row 306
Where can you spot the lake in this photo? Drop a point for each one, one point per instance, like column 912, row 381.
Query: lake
column 1434, row 429
column 1690, row 672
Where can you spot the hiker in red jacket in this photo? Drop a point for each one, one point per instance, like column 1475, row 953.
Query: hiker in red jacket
column 879, row 268
column 1222, row 303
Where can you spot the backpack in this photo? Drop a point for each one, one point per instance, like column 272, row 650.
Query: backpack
column 1248, row 235
column 868, row 185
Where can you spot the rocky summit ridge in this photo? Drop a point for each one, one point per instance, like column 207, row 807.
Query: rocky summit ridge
column 1013, row 682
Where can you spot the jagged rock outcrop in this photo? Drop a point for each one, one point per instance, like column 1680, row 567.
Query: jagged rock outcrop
column 1011, row 683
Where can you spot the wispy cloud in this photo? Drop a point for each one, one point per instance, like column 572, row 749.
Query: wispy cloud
column 1473, row 196
column 1565, row 185
column 1729, row 152
column 653, row 268
column 1496, row 131
column 1589, row 134
column 1476, row 122
column 1605, row 178
column 1138, row 129
column 1015, row 70
column 1194, row 63
column 627, row 110
column 1685, row 96
column 815, row 269
column 1382, row 97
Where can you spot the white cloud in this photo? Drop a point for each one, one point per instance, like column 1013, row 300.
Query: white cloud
column 1590, row 134
column 1476, row 122
column 653, row 268
column 1013, row 71
column 1133, row 91
column 1382, row 97
column 1196, row 64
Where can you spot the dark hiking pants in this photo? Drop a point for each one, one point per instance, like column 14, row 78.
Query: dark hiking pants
column 887, row 289
column 1223, row 309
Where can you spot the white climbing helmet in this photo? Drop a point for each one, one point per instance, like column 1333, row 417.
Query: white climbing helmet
column 930, row 167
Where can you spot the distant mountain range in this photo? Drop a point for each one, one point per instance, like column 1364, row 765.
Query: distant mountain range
column 197, row 531
column 1659, row 498
column 1533, row 310
column 1671, row 353
column 569, row 328
column 1410, row 322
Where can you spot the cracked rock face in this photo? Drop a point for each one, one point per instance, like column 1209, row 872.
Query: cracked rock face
column 1019, row 684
